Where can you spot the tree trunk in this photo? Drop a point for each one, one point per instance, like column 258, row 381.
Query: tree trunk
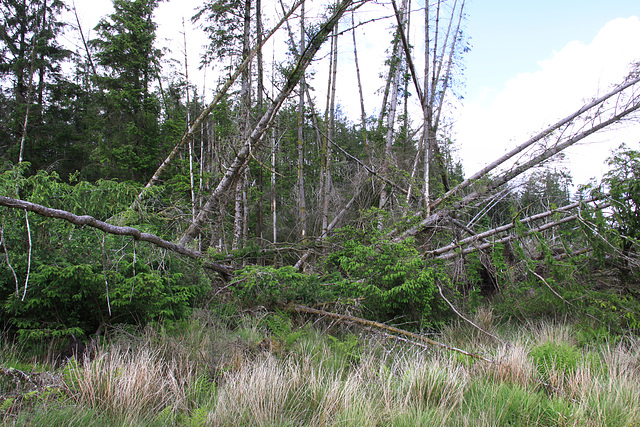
column 302, row 205
column 396, row 66
column 363, row 114
column 207, row 111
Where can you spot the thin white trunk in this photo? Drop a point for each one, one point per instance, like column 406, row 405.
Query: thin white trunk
column 363, row 114
column 254, row 141
column 302, row 206
column 330, row 125
column 274, row 204
column 219, row 95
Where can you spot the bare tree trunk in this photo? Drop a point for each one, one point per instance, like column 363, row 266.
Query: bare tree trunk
column 540, row 136
column 302, row 205
column 84, row 41
column 437, row 80
column 396, row 65
column 480, row 236
column 255, row 139
column 620, row 108
column 186, row 76
column 274, row 205
column 330, row 125
column 363, row 114
column 238, row 218
column 219, row 95
column 89, row 221
column 260, row 100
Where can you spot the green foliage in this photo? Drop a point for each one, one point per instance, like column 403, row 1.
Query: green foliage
column 221, row 21
column 623, row 182
column 391, row 278
column 130, row 139
column 271, row 286
column 79, row 278
column 552, row 359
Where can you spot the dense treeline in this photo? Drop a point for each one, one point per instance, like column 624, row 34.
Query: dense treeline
column 371, row 215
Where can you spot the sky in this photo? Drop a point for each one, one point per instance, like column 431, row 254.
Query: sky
column 533, row 63
column 530, row 64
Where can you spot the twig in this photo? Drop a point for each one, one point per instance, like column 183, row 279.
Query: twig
column 467, row 320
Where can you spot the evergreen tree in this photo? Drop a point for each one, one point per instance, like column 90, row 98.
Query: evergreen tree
column 32, row 118
column 130, row 141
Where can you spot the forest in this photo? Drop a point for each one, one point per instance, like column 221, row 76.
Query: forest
column 185, row 245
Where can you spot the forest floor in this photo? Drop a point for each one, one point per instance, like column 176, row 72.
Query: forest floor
column 268, row 370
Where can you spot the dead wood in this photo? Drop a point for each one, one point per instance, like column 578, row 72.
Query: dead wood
column 87, row 220
column 545, row 133
column 506, row 227
column 254, row 141
column 452, row 254
column 385, row 328
column 619, row 112
column 219, row 95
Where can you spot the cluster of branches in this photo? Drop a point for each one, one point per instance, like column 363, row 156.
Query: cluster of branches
column 419, row 189
column 442, row 48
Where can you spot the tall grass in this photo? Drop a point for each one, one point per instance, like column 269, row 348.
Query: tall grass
column 203, row 375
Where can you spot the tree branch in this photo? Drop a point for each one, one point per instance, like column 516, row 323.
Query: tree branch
column 386, row 328
column 86, row 220
column 255, row 138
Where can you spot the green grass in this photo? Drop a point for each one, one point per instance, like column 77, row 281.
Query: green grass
column 200, row 374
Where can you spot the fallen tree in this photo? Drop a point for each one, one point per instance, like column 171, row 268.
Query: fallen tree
column 392, row 330
column 89, row 221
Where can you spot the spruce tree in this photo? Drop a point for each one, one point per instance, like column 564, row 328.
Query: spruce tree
column 130, row 142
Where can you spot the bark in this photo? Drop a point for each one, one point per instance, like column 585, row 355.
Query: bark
column 89, row 221
column 302, row 204
column 255, row 139
column 240, row 209
column 238, row 217
column 382, row 327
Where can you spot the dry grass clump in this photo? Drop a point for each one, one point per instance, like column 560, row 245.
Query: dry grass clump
column 512, row 366
column 202, row 376
column 126, row 383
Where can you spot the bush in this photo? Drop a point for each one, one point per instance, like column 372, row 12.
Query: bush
column 390, row 278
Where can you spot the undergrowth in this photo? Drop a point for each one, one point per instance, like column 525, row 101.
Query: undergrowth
column 272, row 370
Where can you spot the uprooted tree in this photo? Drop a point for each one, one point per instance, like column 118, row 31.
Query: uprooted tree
column 103, row 252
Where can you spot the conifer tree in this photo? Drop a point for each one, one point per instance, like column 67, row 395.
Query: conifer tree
column 129, row 145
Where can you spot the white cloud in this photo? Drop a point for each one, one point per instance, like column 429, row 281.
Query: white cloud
column 529, row 102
